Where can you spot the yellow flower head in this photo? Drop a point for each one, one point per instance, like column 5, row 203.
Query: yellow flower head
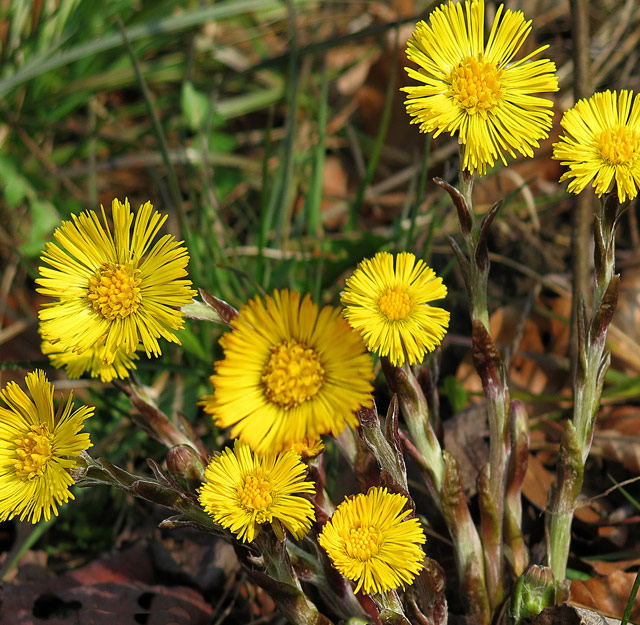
column 476, row 89
column 388, row 306
column 602, row 144
column 243, row 491
column 369, row 542
column 37, row 449
column 113, row 291
column 290, row 373
column 90, row 360
column 308, row 448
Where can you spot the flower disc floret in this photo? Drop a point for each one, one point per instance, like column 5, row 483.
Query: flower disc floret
column 290, row 373
column 370, row 541
column 37, row 449
column 476, row 89
column 113, row 292
column 601, row 144
column 244, row 491
column 389, row 306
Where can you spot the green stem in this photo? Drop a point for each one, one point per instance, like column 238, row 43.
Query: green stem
column 590, row 370
column 479, row 275
column 632, row 599
column 494, row 382
column 444, row 481
column 416, row 415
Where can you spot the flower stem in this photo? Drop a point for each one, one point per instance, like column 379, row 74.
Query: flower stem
column 490, row 368
column 589, row 373
column 445, row 484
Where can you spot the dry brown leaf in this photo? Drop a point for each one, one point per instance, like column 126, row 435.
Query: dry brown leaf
column 464, row 437
column 625, row 338
column 622, row 448
column 606, row 568
column 607, row 595
column 60, row 603
column 117, row 589
column 623, row 419
column 537, row 482
column 569, row 615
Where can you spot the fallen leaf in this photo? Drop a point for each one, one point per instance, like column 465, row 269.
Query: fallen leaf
column 619, row 447
column 537, row 482
column 607, row 595
column 606, row 568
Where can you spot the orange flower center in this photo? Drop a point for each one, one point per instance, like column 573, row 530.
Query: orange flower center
column 294, row 374
column 114, row 291
column 619, row 145
column 395, row 304
column 34, row 450
column 362, row 542
column 255, row 496
column 476, row 84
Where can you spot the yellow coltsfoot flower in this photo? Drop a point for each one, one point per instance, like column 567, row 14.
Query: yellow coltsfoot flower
column 370, row 543
column 389, row 306
column 475, row 88
column 290, row 374
column 244, row 491
column 37, row 449
column 113, row 291
column 602, row 144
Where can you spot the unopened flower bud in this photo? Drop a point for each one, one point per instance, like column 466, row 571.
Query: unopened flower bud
column 185, row 466
column 533, row 592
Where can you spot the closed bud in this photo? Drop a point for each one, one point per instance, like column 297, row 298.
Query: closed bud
column 533, row 592
column 185, row 467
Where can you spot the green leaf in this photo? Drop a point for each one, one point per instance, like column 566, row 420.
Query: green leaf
column 575, row 574
column 455, row 393
column 44, row 218
column 15, row 187
column 191, row 344
column 195, row 105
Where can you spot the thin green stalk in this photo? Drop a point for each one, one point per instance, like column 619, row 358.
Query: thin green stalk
column 493, row 375
column 285, row 201
column 49, row 60
column 91, row 148
column 445, row 483
column 479, row 276
column 265, row 193
column 592, row 364
column 380, row 137
column 314, row 194
column 422, row 183
column 280, row 195
column 35, row 534
column 632, row 599
column 174, row 187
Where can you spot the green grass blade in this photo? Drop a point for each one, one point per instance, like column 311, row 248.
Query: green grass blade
column 632, row 599
column 174, row 187
column 422, row 183
column 379, row 143
column 174, row 23
column 314, row 195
